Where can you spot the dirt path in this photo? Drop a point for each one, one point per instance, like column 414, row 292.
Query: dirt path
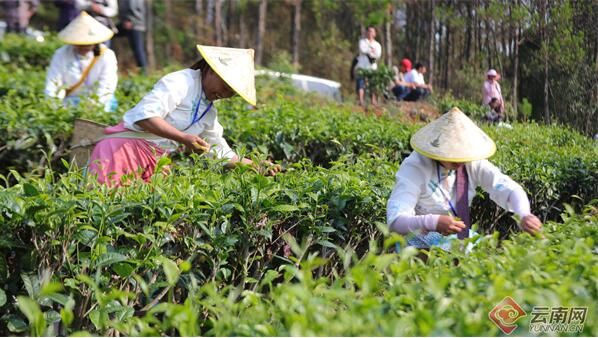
column 408, row 112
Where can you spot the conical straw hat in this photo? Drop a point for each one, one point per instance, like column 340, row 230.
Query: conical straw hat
column 453, row 137
column 85, row 30
column 235, row 67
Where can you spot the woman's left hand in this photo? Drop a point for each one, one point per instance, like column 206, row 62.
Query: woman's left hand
column 270, row 168
column 531, row 224
column 266, row 167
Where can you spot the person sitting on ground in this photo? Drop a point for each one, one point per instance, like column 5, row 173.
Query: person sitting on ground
column 178, row 110
column 84, row 67
column 491, row 90
column 437, row 182
column 370, row 50
column 415, row 77
column 402, row 88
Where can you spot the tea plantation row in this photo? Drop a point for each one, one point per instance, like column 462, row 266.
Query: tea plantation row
column 230, row 252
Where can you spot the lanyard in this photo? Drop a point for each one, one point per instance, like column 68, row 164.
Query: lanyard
column 196, row 119
column 81, row 68
column 442, row 191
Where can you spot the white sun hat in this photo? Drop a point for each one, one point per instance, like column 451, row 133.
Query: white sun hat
column 453, row 137
column 85, row 30
column 235, row 67
column 492, row 72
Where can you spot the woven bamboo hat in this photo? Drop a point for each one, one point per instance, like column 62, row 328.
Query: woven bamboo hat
column 85, row 30
column 453, row 137
column 235, row 67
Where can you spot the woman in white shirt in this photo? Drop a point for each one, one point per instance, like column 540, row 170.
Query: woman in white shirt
column 178, row 110
column 84, row 67
column 436, row 183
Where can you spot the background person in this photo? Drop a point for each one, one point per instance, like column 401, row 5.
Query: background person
column 437, row 182
column 67, row 12
column 401, row 87
column 420, row 90
column 83, row 67
column 370, row 51
column 18, row 13
column 491, row 90
column 132, row 15
column 178, row 110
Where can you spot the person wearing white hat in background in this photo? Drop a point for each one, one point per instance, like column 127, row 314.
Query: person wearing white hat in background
column 178, row 110
column 84, row 67
column 491, row 90
column 437, row 182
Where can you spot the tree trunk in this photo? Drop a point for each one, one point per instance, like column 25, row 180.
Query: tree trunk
column 388, row 43
column 432, row 43
column 515, row 51
column 261, row 31
column 198, row 7
column 218, row 22
column 469, row 31
column 417, row 32
column 149, row 35
column 447, row 46
column 543, row 28
column 242, row 29
column 296, row 32
column 388, row 37
column 209, row 12
column 515, row 99
column 168, row 21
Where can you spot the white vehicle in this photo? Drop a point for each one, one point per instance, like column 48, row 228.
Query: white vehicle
column 324, row 87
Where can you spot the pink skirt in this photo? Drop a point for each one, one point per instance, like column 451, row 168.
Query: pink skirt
column 115, row 157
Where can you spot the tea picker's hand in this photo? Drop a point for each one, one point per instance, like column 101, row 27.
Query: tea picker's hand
column 531, row 224
column 270, row 168
column 195, row 144
column 447, row 225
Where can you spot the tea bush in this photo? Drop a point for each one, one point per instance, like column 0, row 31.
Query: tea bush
column 27, row 53
column 211, row 251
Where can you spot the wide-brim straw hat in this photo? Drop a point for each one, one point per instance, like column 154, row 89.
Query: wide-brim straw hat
column 453, row 137
column 85, row 30
column 235, row 67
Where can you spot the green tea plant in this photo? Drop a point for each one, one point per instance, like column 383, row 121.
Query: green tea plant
column 377, row 80
column 28, row 53
column 212, row 251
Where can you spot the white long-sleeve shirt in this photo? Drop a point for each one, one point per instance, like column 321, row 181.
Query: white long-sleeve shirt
column 413, row 76
column 177, row 98
column 369, row 48
column 423, row 189
column 66, row 69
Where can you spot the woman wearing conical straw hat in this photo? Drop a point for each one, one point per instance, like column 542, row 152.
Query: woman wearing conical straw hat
column 178, row 110
column 436, row 183
column 84, row 67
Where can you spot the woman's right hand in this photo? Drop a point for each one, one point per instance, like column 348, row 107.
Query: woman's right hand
column 447, row 225
column 195, row 144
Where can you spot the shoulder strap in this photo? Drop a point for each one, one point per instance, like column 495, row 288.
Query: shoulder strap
column 85, row 73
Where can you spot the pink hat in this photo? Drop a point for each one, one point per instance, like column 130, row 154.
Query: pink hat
column 406, row 63
column 492, row 72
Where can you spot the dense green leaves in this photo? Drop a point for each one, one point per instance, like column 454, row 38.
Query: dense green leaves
column 211, row 251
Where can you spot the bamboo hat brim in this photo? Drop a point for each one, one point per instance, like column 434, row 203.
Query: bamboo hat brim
column 85, row 30
column 453, row 137
column 235, row 67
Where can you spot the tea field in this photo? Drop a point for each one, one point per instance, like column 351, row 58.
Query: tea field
column 218, row 252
